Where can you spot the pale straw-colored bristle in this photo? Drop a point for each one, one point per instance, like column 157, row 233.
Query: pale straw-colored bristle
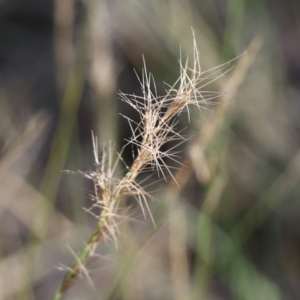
column 156, row 127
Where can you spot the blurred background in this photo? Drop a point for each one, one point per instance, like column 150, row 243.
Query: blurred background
column 233, row 231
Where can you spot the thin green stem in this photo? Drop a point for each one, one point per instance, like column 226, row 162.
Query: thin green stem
column 85, row 253
column 82, row 257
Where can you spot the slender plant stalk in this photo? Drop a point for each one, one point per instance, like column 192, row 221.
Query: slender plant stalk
column 156, row 128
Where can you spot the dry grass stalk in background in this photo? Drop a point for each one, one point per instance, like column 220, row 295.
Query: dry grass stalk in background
column 195, row 161
column 156, row 128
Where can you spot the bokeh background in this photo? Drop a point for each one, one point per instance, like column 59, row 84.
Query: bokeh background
column 232, row 232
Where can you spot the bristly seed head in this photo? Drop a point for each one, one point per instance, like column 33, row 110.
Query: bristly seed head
column 156, row 128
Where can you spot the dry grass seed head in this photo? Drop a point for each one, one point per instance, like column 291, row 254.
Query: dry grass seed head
column 156, row 128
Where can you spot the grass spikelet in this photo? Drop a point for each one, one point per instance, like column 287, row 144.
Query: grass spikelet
column 155, row 129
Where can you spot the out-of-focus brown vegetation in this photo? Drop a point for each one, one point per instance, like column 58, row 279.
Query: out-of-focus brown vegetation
column 232, row 232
